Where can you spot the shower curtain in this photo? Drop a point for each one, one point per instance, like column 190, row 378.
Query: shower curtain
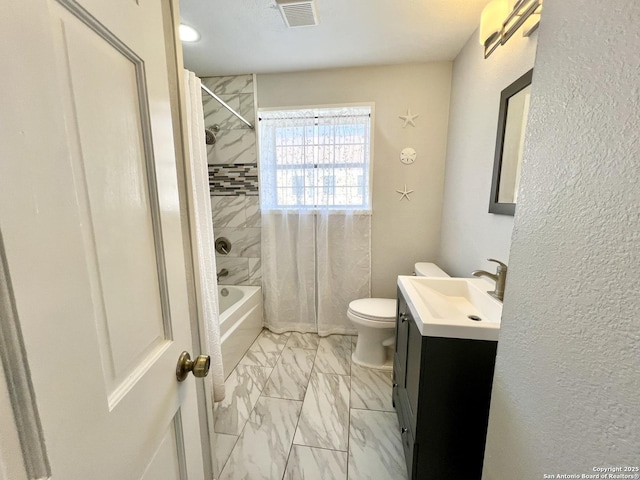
column 316, row 258
column 202, row 234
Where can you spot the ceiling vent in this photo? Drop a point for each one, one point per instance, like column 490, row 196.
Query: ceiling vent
column 298, row 13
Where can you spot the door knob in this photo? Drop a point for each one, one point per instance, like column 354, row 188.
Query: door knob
column 199, row 367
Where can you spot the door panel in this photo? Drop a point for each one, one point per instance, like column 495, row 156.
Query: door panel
column 168, row 460
column 91, row 222
column 115, row 181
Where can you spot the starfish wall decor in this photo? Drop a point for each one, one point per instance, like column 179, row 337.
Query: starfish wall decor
column 405, row 193
column 408, row 118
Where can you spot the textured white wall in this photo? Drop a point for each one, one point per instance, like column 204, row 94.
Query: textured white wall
column 402, row 232
column 470, row 235
column 566, row 394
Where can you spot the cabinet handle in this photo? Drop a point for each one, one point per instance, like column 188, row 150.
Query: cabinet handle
column 395, row 385
column 403, row 317
column 404, row 430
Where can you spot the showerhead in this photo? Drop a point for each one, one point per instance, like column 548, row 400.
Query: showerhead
column 210, row 137
column 210, row 134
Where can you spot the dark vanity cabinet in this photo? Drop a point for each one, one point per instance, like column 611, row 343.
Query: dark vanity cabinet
column 441, row 392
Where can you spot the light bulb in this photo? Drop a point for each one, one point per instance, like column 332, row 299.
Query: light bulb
column 188, row 34
column 491, row 19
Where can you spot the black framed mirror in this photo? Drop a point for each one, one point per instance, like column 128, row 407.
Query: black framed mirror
column 512, row 123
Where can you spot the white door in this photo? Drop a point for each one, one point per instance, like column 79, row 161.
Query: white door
column 90, row 219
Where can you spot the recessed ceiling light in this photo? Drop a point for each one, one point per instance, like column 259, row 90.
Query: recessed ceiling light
column 188, row 34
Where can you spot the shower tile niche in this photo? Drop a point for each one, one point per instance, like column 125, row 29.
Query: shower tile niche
column 233, row 178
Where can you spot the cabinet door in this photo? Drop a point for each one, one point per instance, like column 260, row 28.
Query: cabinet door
column 409, row 448
column 400, row 357
column 412, row 371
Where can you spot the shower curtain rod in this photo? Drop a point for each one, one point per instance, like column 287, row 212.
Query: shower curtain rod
column 224, row 104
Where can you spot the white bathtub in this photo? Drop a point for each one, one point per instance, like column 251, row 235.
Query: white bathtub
column 240, row 322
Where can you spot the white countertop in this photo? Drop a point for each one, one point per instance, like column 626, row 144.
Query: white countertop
column 438, row 314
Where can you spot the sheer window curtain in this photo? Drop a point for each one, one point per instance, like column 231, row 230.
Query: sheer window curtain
column 316, row 217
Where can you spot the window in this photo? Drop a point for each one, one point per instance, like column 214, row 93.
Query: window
column 315, row 158
column 329, row 182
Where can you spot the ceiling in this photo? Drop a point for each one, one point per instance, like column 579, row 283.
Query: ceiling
column 250, row 36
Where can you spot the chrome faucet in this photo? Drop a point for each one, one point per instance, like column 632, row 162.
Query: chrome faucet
column 222, row 273
column 500, row 277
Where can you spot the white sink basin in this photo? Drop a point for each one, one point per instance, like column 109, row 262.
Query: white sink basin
column 452, row 307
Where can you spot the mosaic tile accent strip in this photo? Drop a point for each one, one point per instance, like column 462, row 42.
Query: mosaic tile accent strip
column 233, row 179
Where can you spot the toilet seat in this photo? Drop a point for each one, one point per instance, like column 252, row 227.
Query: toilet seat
column 376, row 312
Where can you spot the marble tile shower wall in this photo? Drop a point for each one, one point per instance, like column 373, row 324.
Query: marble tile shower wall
column 233, row 180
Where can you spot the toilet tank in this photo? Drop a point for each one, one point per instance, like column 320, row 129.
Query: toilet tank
column 426, row 269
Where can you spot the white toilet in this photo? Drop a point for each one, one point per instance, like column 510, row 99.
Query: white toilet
column 375, row 321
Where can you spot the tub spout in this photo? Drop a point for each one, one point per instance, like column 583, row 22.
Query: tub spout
column 222, row 273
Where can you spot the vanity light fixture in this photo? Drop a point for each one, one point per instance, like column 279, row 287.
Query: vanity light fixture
column 494, row 32
column 491, row 20
column 188, row 34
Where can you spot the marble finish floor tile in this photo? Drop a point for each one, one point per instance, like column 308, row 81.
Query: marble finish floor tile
column 316, row 464
column 263, row 448
column 266, row 349
column 334, row 355
column 243, row 387
column 318, row 438
column 290, row 376
column 371, row 389
column 303, row 340
column 375, row 446
column 224, row 446
column 325, row 413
